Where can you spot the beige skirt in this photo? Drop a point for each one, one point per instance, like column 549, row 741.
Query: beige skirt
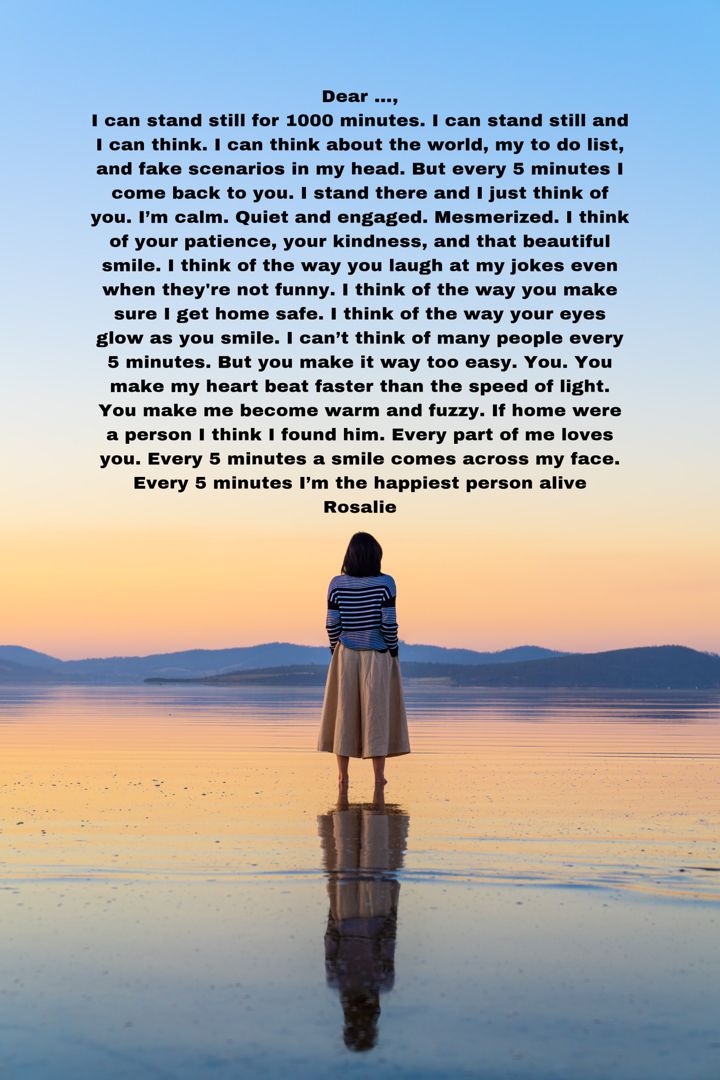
column 363, row 712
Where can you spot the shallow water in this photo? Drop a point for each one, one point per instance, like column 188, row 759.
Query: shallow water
column 180, row 896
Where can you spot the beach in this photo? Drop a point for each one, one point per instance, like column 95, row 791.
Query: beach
column 181, row 895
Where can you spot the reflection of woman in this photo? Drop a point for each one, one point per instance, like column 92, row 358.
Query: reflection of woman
column 362, row 846
column 363, row 711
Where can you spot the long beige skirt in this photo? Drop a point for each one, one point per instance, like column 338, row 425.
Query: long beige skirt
column 363, row 712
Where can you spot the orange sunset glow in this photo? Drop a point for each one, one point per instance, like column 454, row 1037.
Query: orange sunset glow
column 490, row 580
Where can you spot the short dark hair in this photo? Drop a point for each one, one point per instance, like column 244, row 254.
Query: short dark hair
column 363, row 556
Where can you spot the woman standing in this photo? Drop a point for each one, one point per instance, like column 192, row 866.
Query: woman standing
column 363, row 712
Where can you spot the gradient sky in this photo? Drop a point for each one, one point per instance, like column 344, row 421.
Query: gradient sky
column 94, row 569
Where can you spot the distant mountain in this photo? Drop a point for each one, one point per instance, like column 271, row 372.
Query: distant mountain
column 657, row 667
column 25, row 673
column 281, row 663
column 18, row 654
column 27, row 665
column 436, row 654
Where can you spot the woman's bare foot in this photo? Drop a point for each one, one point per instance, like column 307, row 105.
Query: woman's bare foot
column 343, row 763
column 379, row 770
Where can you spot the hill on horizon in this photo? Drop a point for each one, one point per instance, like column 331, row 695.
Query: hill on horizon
column 651, row 667
column 20, row 664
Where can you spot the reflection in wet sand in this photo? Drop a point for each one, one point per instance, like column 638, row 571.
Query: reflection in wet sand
column 363, row 846
column 163, row 895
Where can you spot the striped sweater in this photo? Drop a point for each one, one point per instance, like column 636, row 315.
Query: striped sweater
column 361, row 613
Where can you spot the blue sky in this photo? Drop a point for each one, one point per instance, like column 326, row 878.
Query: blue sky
column 657, row 61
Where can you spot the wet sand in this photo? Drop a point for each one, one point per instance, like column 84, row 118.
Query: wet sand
column 181, row 896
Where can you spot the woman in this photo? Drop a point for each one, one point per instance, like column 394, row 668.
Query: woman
column 363, row 712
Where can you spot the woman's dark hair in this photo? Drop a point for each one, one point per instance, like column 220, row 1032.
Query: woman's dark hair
column 363, row 556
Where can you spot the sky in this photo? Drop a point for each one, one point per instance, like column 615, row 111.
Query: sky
column 92, row 568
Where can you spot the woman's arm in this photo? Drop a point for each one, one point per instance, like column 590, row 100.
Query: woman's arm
column 333, row 622
column 388, row 614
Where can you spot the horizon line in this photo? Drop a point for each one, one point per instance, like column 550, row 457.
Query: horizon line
column 303, row 645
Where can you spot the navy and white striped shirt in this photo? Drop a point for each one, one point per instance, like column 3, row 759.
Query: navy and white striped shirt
column 361, row 613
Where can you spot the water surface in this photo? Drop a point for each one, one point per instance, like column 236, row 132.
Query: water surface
column 182, row 896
